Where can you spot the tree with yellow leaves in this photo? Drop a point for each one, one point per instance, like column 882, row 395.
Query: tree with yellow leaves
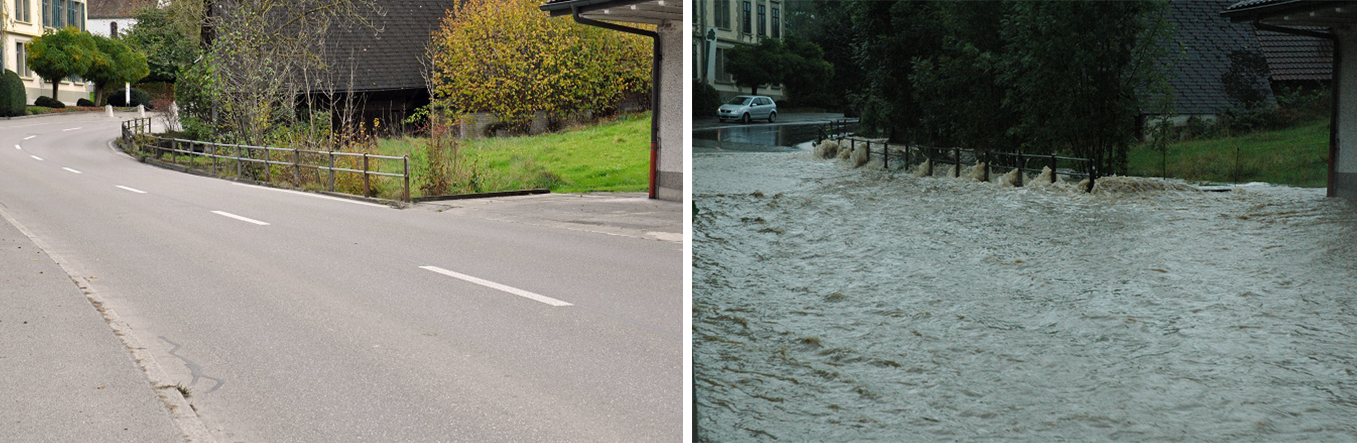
column 509, row 58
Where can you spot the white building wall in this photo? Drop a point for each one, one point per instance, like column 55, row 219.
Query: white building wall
column 669, row 184
column 1345, row 176
column 102, row 26
column 16, row 32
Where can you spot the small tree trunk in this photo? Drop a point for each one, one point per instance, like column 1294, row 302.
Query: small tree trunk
column 55, row 83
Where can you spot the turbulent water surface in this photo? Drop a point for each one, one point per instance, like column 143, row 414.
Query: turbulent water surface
column 839, row 304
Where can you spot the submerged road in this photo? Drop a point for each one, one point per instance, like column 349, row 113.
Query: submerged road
column 293, row 317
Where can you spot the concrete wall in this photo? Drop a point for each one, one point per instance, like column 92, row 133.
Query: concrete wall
column 1344, row 181
column 669, row 182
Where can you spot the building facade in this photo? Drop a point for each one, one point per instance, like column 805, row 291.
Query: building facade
column 25, row 20
column 720, row 25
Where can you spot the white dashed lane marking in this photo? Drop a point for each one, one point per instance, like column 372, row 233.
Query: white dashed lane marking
column 237, row 217
column 131, row 189
column 492, row 285
column 36, row 157
column 73, row 171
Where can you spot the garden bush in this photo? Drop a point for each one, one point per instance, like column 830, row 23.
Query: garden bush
column 13, row 97
column 84, row 103
column 139, row 97
column 49, row 102
column 705, row 100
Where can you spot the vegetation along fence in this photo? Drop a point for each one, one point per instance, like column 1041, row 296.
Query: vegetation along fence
column 956, row 157
column 295, row 167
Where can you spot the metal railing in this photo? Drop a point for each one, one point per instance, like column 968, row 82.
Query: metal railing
column 836, row 129
column 958, row 156
column 137, row 137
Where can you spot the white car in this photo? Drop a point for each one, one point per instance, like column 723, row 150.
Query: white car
column 748, row 107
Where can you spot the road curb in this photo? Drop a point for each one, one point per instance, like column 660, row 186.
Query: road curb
column 181, row 412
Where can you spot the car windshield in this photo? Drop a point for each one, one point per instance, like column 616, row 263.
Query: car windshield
column 739, row 101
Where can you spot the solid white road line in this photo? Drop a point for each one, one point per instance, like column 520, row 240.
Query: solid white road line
column 237, row 217
column 36, row 157
column 308, row 194
column 30, row 137
column 18, row 147
column 72, row 170
column 69, row 129
column 131, row 189
column 493, row 285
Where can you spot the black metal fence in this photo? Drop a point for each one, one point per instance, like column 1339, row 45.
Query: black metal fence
column 911, row 155
column 259, row 162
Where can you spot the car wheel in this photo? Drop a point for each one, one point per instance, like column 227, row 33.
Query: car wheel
column 744, row 118
column 772, row 116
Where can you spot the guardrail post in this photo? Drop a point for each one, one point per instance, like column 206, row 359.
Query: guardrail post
column 956, row 155
column 367, row 187
column 929, row 160
column 332, row 171
column 1020, row 168
column 406, row 160
column 886, row 155
column 1053, row 174
column 238, row 163
column 297, row 166
column 268, row 156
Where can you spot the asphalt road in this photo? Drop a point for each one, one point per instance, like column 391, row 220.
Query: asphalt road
column 298, row 318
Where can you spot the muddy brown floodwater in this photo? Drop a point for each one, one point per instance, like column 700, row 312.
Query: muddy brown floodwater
column 840, row 304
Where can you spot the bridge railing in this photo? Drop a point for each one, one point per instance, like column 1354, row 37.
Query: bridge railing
column 259, row 162
column 912, row 155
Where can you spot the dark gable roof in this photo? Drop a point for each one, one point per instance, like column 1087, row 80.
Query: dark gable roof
column 388, row 57
column 1294, row 57
column 108, row 9
column 1207, row 40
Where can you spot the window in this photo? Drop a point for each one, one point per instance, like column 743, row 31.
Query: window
column 21, row 62
column 82, row 16
column 22, row 10
column 70, row 15
column 777, row 23
column 59, row 14
column 763, row 20
column 721, row 74
column 745, row 19
column 723, row 14
column 47, row 13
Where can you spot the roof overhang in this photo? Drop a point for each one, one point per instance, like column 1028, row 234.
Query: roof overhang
column 1290, row 13
column 632, row 11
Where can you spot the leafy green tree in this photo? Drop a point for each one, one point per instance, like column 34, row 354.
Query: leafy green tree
column 796, row 63
column 1078, row 72
column 805, row 71
column 822, row 23
column 756, row 65
column 892, row 36
column 959, row 88
column 120, row 64
column 169, row 41
column 57, row 55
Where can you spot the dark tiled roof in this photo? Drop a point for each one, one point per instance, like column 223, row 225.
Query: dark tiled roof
column 387, row 58
column 1295, row 57
column 1207, row 40
column 97, row 9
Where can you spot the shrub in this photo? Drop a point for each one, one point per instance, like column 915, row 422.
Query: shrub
column 13, row 97
column 705, row 100
column 139, row 97
column 509, row 59
column 85, row 103
column 48, row 102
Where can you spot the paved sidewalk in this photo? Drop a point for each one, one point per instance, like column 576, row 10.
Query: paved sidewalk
column 626, row 214
column 64, row 376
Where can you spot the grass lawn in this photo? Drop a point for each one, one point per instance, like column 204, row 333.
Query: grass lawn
column 1297, row 156
column 613, row 155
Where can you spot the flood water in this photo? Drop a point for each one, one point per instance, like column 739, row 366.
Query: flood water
column 757, row 137
column 840, row 304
